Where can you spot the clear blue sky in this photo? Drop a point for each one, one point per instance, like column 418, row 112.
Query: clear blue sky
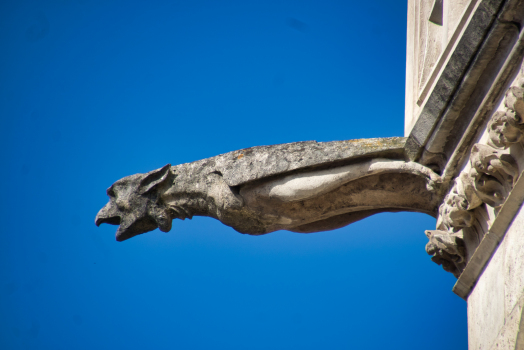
column 92, row 91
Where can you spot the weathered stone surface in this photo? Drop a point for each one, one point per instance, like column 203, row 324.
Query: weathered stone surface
column 452, row 73
column 464, row 75
column 492, row 173
column 519, row 342
column 447, row 249
column 472, row 89
column 495, row 233
column 455, row 211
column 496, row 305
column 513, row 262
column 297, row 187
column 506, row 127
column 507, row 336
column 255, row 163
column 429, row 43
column 486, row 305
column 482, row 114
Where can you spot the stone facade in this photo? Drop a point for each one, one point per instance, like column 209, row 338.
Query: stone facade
column 465, row 120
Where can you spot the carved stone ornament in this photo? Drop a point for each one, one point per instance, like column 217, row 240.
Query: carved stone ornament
column 490, row 178
column 506, row 127
column 302, row 187
column 447, row 249
column 453, row 213
column 493, row 173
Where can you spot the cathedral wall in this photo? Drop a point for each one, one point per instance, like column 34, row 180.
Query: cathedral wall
column 496, row 303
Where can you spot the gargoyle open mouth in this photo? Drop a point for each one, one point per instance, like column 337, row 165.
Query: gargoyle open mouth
column 126, row 229
column 108, row 215
column 114, row 220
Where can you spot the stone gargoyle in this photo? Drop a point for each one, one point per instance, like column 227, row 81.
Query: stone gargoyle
column 302, row 187
column 447, row 249
column 493, row 173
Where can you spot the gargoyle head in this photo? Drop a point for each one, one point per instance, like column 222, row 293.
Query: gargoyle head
column 446, row 249
column 453, row 213
column 135, row 204
column 505, row 128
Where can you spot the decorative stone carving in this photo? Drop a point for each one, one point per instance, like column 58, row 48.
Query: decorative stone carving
column 456, row 209
column 493, row 173
column 489, row 180
column 506, row 128
column 514, row 99
column 447, row 249
column 453, row 213
column 495, row 163
column 302, row 187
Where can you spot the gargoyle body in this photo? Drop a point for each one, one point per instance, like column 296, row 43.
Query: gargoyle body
column 302, row 187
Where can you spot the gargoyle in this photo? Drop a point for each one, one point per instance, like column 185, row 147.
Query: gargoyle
column 492, row 162
column 447, row 250
column 505, row 129
column 302, row 187
column 514, row 100
column 493, row 173
column 135, row 204
column 456, row 212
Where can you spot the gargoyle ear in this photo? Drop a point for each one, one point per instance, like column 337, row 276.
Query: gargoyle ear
column 429, row 233
column 154, row 179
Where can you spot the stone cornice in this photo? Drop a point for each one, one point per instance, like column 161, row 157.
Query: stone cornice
column 485, row 111
column 460, row 86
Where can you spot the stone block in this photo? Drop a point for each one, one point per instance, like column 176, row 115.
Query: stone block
column 514, row 263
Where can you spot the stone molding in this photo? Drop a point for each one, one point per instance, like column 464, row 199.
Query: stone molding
column 471, row 68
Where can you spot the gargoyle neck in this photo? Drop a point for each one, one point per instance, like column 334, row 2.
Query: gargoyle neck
column 185, row 208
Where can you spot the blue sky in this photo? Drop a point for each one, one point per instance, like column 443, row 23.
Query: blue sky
column 92, row 91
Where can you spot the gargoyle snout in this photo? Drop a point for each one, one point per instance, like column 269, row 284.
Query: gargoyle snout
column 108, row 215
